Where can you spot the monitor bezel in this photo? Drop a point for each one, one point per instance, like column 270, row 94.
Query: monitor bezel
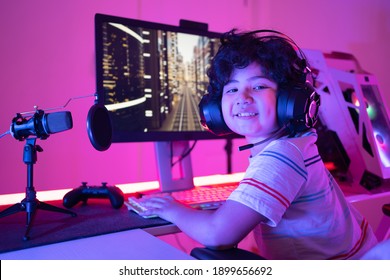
column 150, row 136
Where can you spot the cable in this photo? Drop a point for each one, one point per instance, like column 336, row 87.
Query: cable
column 5, row 133
column 183, row 155
column 60, row 107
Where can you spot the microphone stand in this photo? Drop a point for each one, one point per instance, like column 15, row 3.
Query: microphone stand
column 30, row 204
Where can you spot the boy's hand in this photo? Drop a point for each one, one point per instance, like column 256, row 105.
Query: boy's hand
column 164, row 207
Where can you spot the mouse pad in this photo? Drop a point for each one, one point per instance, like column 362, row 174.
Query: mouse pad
column 94, row 218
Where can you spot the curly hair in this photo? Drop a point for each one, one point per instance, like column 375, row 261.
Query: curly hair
column 276, row 55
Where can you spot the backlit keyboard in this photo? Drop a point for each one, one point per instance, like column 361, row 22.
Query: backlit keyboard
column 204, row 197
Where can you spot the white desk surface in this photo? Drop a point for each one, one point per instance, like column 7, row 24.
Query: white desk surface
column 127, row 245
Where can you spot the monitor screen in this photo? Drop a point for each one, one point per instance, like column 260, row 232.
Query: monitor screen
column 151, row 77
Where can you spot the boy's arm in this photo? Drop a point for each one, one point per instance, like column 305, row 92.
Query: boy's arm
column 218, row 229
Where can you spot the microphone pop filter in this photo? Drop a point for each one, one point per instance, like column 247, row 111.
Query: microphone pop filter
column 99, row 127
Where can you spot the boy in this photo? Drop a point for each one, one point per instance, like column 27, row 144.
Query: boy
column 287, row 196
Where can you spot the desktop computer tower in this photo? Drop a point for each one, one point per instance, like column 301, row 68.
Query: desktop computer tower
column 353, row 126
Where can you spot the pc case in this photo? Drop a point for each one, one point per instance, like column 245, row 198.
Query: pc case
column 353, row 127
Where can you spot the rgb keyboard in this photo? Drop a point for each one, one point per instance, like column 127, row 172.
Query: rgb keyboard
column 204, row 197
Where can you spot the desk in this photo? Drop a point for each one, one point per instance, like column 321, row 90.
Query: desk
column 370, row 205
column 127, row 245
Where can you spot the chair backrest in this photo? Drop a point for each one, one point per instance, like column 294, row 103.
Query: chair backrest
column 228, row 254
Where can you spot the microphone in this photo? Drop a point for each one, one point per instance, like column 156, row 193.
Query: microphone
column 40, row 124
column 280, row 132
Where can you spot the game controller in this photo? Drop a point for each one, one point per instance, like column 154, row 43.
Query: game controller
column 84, row 192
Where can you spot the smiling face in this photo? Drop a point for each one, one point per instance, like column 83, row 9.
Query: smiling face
column 249, row 103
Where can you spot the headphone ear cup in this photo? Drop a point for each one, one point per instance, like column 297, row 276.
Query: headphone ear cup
column 211, row 116
column 298, row 108
column 281, row 106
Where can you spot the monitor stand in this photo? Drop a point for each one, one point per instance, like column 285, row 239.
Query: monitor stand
column 166, row 153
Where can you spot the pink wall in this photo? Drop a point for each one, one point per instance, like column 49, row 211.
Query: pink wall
column 47, row 57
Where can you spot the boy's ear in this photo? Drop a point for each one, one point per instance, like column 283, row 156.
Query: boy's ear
column 211, row 116
column 297, row 107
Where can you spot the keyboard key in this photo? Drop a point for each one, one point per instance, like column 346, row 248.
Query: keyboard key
column 134, row 204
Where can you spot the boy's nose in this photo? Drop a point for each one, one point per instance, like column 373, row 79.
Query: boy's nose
column 244, row 97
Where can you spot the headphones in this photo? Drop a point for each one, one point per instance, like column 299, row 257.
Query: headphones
column 297, row 106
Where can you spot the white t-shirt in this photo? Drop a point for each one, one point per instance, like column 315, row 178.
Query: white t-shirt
column 308, row 216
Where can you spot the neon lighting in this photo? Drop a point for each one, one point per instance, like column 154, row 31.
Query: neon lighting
column 371, row 112
column 379, row 140
column 383, row 149
column 330, row 166
column 8, row 199
column 355, row 100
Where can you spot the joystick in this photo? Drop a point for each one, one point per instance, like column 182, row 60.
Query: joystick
column 84, row 192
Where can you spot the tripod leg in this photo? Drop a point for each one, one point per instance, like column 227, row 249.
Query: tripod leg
column 48, row 207
column 34, row 206
column 18, row 207
column 30, row 219
column 30, row 206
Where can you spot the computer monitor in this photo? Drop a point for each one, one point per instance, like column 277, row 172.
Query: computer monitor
column 151, row 77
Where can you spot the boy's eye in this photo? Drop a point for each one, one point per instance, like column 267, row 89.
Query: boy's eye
column 260, row 87
column 232, row 90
